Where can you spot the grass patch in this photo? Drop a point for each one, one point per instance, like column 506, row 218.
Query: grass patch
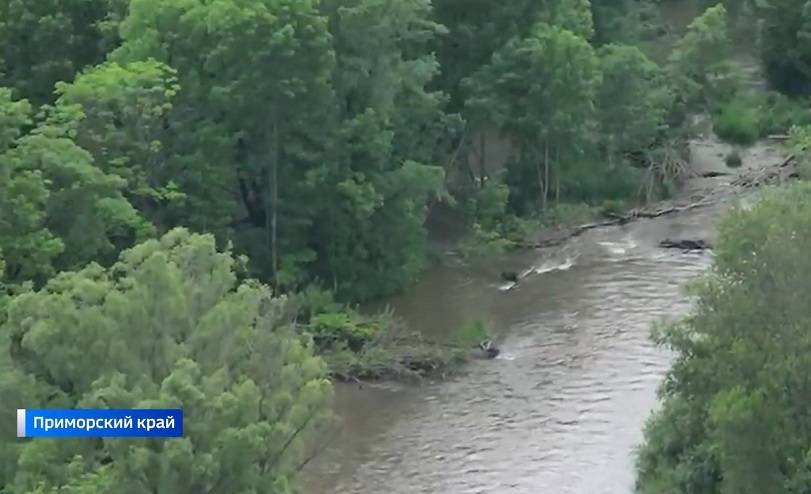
column 780, row 113
column 612, row 208
column 567, row 215
column 738, row 121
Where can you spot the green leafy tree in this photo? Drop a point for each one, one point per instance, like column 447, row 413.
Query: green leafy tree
column 735, row 413
column 47, row 41
column 258, row 73
column 476, row 30
column 124, row 125
column 699, row 65
column 57, row 209
column 168, row 326
column 575, row 16
column 632, row 100
column 540, row 90
column 391, row 130
column 785, row 35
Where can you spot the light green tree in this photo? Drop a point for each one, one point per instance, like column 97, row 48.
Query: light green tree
column 168, row 326
column 57, row 209
column 124, row 125
column 700, row 63
column 735, row 412
column 575, row 16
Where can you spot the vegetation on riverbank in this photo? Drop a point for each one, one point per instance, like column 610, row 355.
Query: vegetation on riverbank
column 176, row 175
column 734, row 413
column 734, row 417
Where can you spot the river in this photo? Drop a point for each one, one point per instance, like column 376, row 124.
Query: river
column 561, row 410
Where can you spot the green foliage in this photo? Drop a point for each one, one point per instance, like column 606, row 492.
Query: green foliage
column 168, row 326
column 734, row 417
column 632, row 99
column 574, row 16
column 738, row 121
column 540, row 90
column 328, row 178
column 779, row 113
column 568, row 215
column 491, row 204
column 784, row 35
column 611, row 208
column 335, row 329
column 470, row 334
column 124, row 109
column 57, row 209
column 47, row 41
column 800, row 146
column 477, row 29
column 485, row 243
column 395, row 351
column 699, row 66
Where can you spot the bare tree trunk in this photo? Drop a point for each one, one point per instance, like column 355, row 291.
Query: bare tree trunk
column 459, row 148
column 482, row 159
column 272, row 202
column 557, row 176
column 545, row 191
column 540, row 183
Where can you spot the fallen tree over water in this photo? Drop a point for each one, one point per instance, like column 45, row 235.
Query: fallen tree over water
column 750, row 178
column 685, row 244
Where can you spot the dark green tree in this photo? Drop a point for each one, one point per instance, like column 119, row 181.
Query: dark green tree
column 47, row 41
column 540, row 90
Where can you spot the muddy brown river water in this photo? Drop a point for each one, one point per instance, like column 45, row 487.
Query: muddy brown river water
column 561, row 410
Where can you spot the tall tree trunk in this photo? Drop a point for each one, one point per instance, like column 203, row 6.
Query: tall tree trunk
column 482, row 159
column 272, row 201
column 538, row 172
column 545, row 191
column 557, row 176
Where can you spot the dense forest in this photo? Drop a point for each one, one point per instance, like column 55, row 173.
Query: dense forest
column 194, row 194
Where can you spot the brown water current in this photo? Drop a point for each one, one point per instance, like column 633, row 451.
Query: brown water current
column 561, row 410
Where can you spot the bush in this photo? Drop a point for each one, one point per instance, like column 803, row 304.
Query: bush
column 335, row 329
column 395, row 352
column 568, row 214
column 612, row 208
column 485, row 243
column 470, row 334
column 738, row 121
column 781, row 113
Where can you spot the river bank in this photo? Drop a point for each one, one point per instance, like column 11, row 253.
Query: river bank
column 561, row 409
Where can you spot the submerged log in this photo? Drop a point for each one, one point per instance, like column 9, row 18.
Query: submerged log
column 714, row 174
column 685, row 244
